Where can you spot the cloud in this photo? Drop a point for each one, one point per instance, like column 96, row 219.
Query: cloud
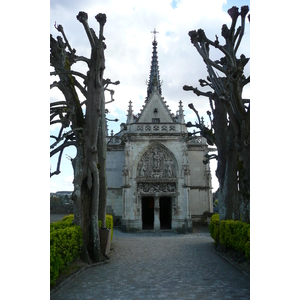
column 129, row 46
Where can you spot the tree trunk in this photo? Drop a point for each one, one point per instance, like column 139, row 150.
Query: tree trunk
column 102, row 166
column 244, row 183
column 229, row 189
column 92, row 127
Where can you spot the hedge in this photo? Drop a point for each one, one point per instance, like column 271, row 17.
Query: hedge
column 231, row 234
column 66, row 242
column 67, row 221
column 65, row 245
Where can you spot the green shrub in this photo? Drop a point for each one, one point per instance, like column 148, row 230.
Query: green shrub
column 214, row 227
column 231, row 234
column 109, row 224
column 67, row 221
column 66, row 242
column 65, row 245
column 234, row 234
column 69, row 218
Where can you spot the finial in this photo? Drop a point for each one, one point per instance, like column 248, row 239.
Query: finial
column 154, row 32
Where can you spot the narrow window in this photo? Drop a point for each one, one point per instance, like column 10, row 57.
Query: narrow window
column 155, row 120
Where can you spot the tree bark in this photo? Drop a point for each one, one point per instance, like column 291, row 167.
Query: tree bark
column 102, row 167
column 85, row 128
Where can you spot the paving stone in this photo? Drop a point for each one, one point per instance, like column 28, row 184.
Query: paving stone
column 159, row 266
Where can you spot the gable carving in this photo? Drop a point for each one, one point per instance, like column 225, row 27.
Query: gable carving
column 157, row 162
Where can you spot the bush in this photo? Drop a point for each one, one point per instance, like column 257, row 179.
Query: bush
column 231, row 234
column 69, row 219
column 66, row 242
column 65, row 245
column 214, row 227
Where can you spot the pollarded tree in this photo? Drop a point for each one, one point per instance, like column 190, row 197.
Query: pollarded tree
column 84, row 127
column 230, row 116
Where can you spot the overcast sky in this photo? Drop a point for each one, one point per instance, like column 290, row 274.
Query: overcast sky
column 129, row 50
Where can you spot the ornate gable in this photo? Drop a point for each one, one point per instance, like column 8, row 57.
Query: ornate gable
column 155, row 110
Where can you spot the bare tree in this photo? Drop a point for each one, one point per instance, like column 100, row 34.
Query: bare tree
column 230, row 115
column 84, row 127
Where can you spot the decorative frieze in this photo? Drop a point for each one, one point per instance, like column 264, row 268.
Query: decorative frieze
column 156, row 187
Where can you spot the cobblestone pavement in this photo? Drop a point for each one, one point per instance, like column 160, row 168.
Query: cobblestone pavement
column 161, row 265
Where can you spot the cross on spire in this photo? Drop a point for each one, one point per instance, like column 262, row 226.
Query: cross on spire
column 154, row 32
column 154, row 80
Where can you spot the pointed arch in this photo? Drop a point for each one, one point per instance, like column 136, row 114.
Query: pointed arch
column 156, row 162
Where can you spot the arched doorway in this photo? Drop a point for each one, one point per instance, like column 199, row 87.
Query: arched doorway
column 157, row 180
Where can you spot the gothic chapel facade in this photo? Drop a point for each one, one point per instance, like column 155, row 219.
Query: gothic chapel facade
column 156, row 179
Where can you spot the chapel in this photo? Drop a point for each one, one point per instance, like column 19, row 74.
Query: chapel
column 156, row 178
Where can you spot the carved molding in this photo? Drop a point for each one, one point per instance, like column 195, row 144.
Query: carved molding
column 156, row 187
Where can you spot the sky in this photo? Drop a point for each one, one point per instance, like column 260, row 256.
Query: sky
column 129, row 51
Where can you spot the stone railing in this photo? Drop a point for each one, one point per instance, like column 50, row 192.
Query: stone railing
column 197, row 140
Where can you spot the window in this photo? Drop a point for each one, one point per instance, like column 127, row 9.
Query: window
column 155, row 120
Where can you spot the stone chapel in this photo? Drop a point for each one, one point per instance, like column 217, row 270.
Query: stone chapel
column 156, row 179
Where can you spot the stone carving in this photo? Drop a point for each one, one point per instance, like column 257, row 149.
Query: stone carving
column 156, row 163
column 152, row 188
column 140, row 128
column 172, row 127
column 164, row 128
column 148, row 128
column 176, row 210
column 186, row 173
column 125, row 175
column 156, row 128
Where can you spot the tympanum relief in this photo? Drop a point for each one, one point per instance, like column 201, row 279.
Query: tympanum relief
column 156, row 163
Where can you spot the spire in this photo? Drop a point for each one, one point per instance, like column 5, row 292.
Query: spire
column 130, row 114
column 154, row 80
column 180, row 113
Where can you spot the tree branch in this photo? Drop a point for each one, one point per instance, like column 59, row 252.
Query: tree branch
column 234, row 14
column 82, row 17
column 82, row 58
column 55, row 84
column 207, row 60
column 62, row 146
column 58, row 103
column 244, row 11
column 61, row 29
column 67, row 136
column 58, row 164
column 246, row 81
column 80, row 87
column 196, row 91
column 69, row 72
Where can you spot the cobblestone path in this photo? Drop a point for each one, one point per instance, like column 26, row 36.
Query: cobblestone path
column 159, row 266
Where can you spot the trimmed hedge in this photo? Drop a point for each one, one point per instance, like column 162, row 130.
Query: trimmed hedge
column 231, row 234
column 65, row 245
column 66, row 242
